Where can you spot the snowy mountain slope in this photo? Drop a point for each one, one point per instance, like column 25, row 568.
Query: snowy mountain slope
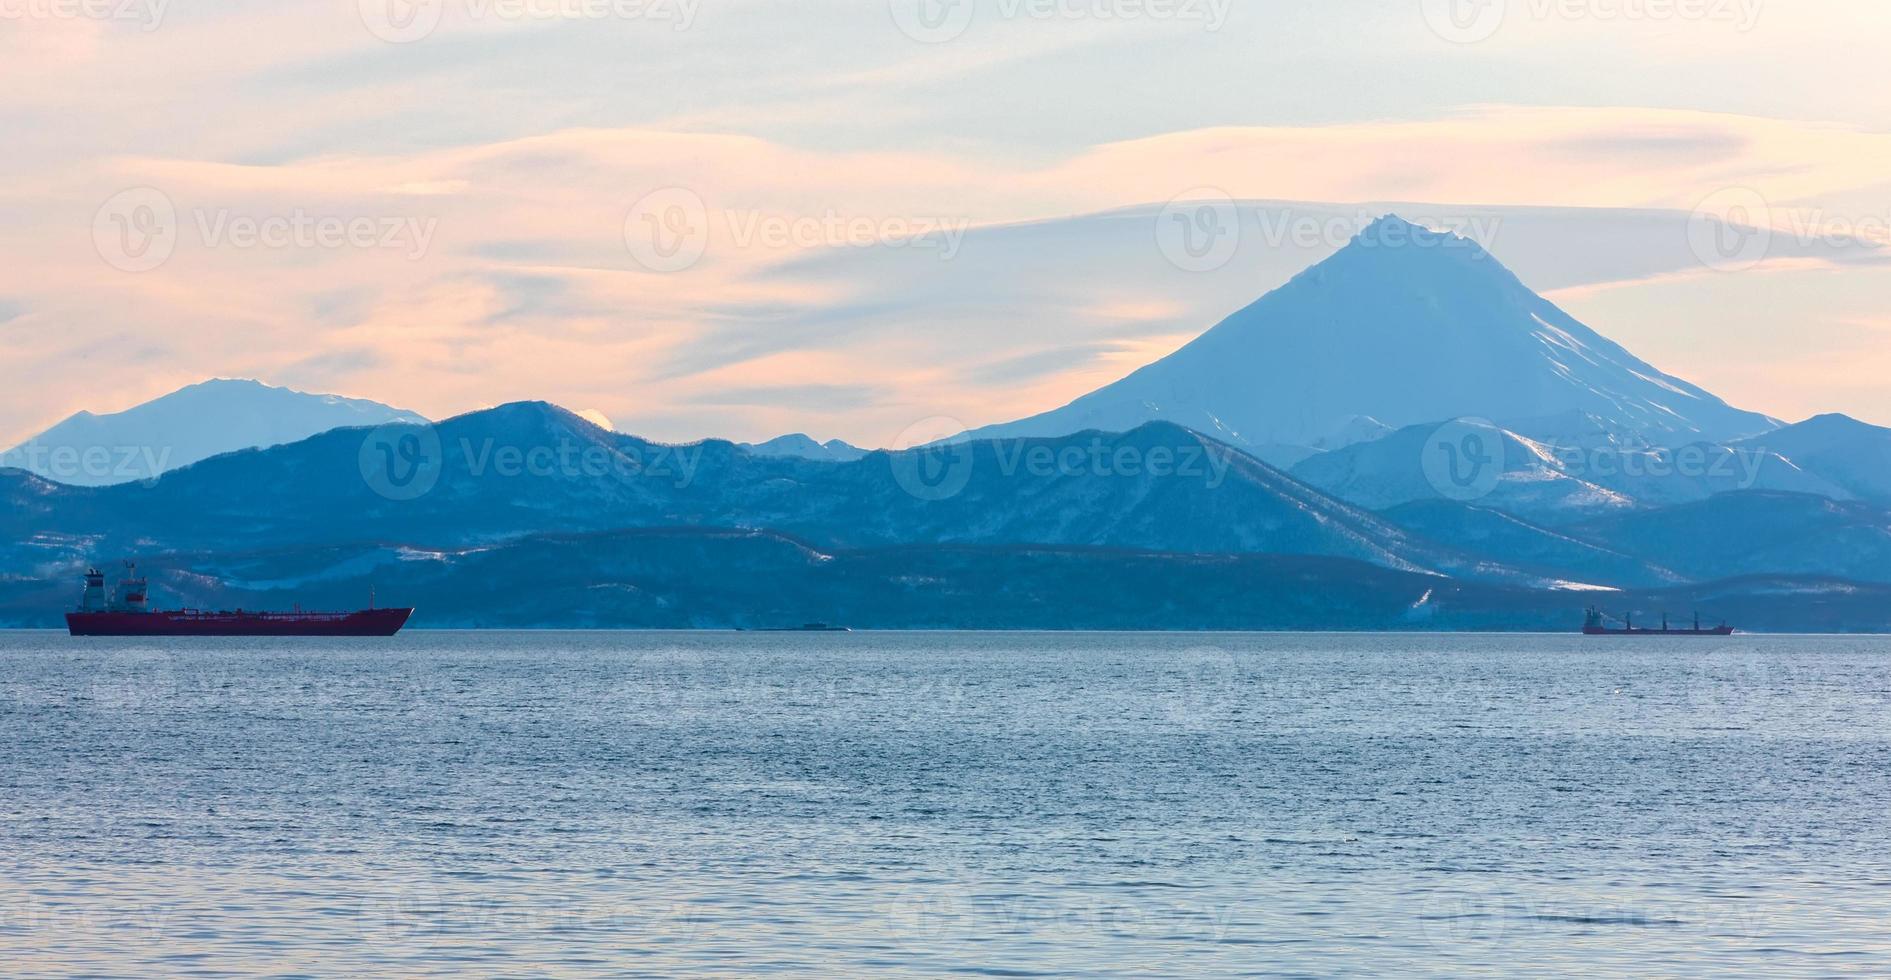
column 1407, row 466
column 1850, row 454
column 185, row 426
column 1756, row 532
column 1404, row 326
column 1582, row 473
column 1521, row 544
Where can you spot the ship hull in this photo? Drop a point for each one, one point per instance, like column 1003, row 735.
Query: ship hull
column 367, row 622
column 1604, row 631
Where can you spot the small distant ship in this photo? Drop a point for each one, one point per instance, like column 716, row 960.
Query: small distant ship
column 1596, row 625
column 126, row 612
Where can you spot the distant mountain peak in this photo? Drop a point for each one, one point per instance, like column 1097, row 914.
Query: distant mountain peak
column 1392, row 235
column 226, row 385
column 195, row 422
column 1404, row 325
column 1391, row 225
column 1393, row 252
column 531, row 408
column 1854, row 455
column 800, row 445
column 530, row 421
column 1838, row 422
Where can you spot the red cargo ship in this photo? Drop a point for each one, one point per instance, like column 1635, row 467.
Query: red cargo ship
column 126, row 612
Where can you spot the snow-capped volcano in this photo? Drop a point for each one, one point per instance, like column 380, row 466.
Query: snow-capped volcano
column 190, row 424
column 1404, row 325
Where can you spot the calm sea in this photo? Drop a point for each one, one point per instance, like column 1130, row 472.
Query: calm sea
column 936, row 804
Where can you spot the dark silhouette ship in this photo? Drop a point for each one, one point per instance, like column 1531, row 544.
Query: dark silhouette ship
column 1596, row 624
column 126, row 611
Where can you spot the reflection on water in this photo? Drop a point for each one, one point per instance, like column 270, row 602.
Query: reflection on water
column 1014, row 805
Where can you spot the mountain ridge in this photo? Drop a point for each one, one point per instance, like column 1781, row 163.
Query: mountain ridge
column 519, row 486
column 1157, row 488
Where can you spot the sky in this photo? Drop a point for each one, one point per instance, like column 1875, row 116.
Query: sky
column 741, row 218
